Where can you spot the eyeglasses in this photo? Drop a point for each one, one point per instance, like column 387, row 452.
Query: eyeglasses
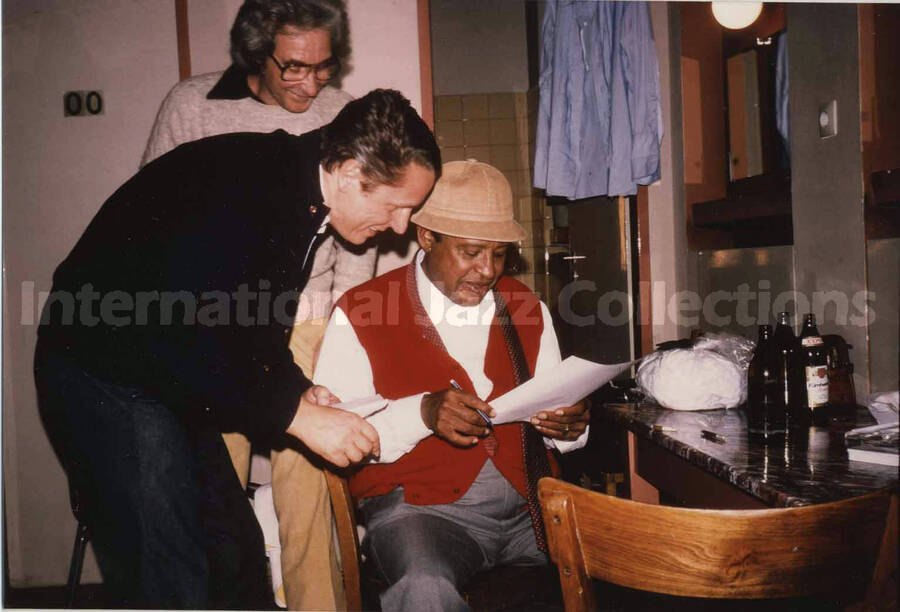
column 298, row 71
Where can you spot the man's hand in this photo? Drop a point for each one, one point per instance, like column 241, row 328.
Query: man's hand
column 563, row 423
column 337, row 435
column 450, row 415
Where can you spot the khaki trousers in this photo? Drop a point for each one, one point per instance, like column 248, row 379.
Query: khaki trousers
column 309, row 559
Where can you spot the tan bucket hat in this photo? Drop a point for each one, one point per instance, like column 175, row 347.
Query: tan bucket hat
column 471, row 200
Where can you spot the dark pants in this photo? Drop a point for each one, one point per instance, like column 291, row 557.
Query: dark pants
column 170, row 524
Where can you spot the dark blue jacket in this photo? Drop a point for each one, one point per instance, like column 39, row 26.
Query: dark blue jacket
column 194, row 267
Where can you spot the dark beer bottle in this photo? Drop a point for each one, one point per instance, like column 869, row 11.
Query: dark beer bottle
column 785, row 349
column 812, row 372
column 766, row 416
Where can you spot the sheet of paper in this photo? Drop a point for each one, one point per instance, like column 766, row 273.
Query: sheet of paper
column 365, row 406
column 571, row 380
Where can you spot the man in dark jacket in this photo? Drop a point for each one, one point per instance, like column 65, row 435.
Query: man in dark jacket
column 169, row 321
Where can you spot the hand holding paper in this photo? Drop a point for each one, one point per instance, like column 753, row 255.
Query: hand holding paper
column 563, row 385
column 559, row 387
column 365, row 406
column 566, row 424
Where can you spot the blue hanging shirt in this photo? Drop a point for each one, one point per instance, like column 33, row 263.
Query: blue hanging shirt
column 599, row 119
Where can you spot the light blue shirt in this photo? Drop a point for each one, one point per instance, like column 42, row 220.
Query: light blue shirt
column 599, row 119
column 782, row 91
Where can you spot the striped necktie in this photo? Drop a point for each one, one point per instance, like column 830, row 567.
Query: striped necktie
column 534, row 453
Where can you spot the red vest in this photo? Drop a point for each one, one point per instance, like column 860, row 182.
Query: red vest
column 406, row 360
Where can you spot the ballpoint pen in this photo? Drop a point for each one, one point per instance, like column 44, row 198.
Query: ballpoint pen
column 487, row 420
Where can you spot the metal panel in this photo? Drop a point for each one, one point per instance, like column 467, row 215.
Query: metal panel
column 883, row 271
column 740, row 289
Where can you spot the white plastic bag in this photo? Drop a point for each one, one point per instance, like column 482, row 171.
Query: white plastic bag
column 735, row 348
column 710, row 374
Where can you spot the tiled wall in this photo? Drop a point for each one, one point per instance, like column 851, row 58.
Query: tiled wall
column 499, row 129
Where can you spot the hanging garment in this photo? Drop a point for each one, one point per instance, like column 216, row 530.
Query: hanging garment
column 782, row 91
column 599, row 119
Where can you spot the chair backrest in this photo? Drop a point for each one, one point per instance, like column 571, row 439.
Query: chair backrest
column 348, row 540
column 739, row 554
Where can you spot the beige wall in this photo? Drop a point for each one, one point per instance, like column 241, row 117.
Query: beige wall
column 57, row 171
column 386, row 54
column 478, row 46
column 209, row 23
column 385, row 39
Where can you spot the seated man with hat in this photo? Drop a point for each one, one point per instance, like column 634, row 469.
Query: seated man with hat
column 440, row 338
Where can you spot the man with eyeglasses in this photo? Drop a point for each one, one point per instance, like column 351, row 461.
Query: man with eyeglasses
column 285, row 53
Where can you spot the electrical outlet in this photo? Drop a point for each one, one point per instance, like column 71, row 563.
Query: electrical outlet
column 828, row 126
column 77, row 103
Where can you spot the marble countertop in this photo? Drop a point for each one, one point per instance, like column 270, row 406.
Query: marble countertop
column 809, row 467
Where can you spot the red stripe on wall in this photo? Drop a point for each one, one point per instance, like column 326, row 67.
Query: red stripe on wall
column 182, row 34
column 424, row 14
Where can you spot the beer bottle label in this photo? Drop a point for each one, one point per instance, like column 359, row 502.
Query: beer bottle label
column 812, row 341
column 816, row 385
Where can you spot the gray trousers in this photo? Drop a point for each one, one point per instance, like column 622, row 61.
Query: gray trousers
column 426, row 552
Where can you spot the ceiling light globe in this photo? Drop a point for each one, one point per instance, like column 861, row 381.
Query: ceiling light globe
column 736, row 15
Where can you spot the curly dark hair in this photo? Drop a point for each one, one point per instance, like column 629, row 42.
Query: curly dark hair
column 383, row 132
column 258, row 21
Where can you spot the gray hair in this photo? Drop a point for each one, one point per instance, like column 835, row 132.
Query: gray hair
column 258, row 21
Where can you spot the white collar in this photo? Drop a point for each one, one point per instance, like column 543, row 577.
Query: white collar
column 327, row 218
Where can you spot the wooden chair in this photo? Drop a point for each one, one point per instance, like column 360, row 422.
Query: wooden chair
column 502, row 588
column 735, row 554
column 348, row 541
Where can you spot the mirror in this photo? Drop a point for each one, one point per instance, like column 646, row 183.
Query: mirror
column 736, row 159
column 744, row 130
column 755, row 84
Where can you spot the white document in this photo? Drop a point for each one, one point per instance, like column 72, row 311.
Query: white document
column 364, row 407
column 569, row 381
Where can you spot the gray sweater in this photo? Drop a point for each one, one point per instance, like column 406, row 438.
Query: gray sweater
column 187, row 114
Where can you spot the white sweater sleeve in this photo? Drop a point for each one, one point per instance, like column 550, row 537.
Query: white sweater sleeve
column 351, row 269
column 344, row 368
column 549, row 356
column 163, row 134
column 180, row 118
